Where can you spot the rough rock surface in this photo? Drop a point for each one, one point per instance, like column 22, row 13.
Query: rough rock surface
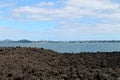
column 18, row 63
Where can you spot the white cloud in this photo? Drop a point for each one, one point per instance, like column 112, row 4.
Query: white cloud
column 1, row 17
column 80, row 29
column 93, row 4
column 13, row 33
column 6, row 5
column 44, row 4
column 7, row 32
column 72, row 9
column 32, row 10
column 38, row 17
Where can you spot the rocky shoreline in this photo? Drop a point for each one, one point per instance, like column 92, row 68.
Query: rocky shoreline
column 20, row 63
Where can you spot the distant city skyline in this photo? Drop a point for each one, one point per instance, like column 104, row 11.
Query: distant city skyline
column 60, row 20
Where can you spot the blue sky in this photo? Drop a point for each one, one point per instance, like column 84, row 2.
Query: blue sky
column 60, row 19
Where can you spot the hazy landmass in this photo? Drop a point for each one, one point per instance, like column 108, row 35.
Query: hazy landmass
column 31, row 41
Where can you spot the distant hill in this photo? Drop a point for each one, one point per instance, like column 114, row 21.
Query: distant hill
column 24, row 41
column 19, row 41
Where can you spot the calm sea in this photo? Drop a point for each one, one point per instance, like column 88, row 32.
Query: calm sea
column 70, row 47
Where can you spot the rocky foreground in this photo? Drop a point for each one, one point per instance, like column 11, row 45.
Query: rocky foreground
column 18, row 63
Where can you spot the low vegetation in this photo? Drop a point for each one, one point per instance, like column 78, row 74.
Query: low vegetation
column 17, row 63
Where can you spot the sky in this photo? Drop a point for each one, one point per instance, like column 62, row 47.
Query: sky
column 60, row 20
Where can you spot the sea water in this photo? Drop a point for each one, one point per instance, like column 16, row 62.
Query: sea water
column 69, row 47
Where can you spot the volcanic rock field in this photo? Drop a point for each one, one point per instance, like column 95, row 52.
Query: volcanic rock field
column 21, row 63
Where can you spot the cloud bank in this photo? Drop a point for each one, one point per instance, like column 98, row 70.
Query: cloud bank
column 69, row 15
column 71, row 9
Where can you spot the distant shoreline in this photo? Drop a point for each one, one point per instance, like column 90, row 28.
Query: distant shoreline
column 30, row 41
